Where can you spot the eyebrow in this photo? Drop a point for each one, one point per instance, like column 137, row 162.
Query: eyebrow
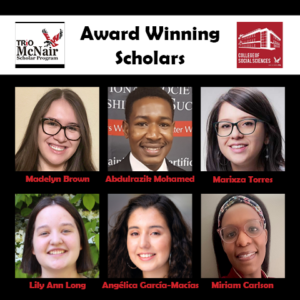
column 71, row 123
column 146, row 117
column 248, row 220
column 62, row 224
column 245, row 117
column 154, row 226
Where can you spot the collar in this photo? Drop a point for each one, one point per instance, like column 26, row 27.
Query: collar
column 136, row 165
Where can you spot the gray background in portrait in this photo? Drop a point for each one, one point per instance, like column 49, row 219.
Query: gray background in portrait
column 275, row 205
column 209, row 97
column 117, row 201
column 118, row 146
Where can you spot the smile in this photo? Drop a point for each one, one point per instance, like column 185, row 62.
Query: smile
column 146, row 256
column 152, row 150
column 246, row 256
column 57, row 148
column 238, row 148
column 55, row 252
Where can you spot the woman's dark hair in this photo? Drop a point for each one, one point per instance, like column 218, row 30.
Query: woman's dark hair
column 255, row 103
column 181, row 249
column 223, row 262
column 26, row 158
column 29, row 263
column 142, row 92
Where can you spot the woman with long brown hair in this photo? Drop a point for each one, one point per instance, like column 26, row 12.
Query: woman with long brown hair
column 150, row 240
column 243, row 133
column 58, row 136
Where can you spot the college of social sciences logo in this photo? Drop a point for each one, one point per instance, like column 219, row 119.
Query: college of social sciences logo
column 40, row 45
column 259, row 45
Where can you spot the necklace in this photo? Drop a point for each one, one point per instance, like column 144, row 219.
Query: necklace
column 241, row 277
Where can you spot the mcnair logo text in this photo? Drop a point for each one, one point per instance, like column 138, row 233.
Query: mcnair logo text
column 27, row 50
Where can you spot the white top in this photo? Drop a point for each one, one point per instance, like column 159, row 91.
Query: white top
column 136, row 165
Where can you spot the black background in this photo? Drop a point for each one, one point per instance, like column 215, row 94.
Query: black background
column 283, row 182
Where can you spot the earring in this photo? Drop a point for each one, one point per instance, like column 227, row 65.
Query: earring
column 219, row 159
column 170, row 259
column 267, row 152
column 131, row 266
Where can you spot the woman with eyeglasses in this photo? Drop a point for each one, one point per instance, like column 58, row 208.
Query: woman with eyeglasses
column 241, row 237
column 58, row 135
column 243, row 133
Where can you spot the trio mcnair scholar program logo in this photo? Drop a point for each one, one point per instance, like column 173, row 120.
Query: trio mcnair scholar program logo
column 39, row 51
column 259, row 45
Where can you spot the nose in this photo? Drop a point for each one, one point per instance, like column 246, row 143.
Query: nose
column 55, row 238
column 60, row 136
column 153, row 132
column 235, row 134
column 144, row 241
column 243, row 239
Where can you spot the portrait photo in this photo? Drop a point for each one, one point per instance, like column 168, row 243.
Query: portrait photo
column 243, row 129
column 57, row 129
column 57, row 236
column 243, row 236
column 150, row 129
column 150, row 236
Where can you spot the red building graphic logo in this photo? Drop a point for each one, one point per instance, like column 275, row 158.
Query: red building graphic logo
column 259, row 45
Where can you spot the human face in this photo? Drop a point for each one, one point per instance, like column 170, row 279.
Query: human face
column 248, row 266
column 56, row 241
column 56, row 150
column 241, row 150
column 149, row 242
column 150, row 131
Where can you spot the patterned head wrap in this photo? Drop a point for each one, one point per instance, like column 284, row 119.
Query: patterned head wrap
column 240, row 199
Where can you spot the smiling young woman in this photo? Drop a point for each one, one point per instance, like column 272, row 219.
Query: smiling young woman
column 151, row 240
column 243, row 133
column 56, row 244
column 241, row 237
column 58, row 135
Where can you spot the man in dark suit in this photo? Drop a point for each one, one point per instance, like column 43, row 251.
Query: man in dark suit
column 149, row 126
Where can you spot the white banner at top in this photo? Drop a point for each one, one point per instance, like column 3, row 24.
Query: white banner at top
column 161, row 45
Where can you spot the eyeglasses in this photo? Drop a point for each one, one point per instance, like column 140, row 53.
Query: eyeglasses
column 52, row 127
column 252, row 228
column 246, row 126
